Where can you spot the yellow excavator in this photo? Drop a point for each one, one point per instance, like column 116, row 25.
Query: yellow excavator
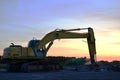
column 33, row 57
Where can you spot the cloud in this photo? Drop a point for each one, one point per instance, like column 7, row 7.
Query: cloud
column 45, row 11
column 116, row 43
column 1, row 51
column 103, row 17
column 61, row 51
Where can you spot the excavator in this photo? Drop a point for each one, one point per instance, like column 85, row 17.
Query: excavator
column 33, row 57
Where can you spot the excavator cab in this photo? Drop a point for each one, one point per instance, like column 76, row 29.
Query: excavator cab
column 37, row 52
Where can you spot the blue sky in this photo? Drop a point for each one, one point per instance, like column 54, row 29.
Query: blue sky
column 21, row 20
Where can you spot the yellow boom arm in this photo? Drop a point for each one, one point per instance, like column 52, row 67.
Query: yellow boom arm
column 67, row 34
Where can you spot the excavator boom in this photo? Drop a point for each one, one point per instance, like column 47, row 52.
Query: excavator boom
column 67, row 34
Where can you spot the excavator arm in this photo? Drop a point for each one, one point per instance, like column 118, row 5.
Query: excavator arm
column 91, row 45
column 67, row 34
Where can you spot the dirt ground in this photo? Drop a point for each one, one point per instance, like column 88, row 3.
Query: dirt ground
column 60, row 75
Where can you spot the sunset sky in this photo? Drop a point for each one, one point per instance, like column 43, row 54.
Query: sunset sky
column 21, row 20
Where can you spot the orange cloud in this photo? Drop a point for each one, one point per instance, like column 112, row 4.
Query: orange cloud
column 70, row 48
column 77, row 48
column 68, row 52
column 1, row 51
column 108, row 58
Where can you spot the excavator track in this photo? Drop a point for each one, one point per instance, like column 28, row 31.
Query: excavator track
column 34, row 65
